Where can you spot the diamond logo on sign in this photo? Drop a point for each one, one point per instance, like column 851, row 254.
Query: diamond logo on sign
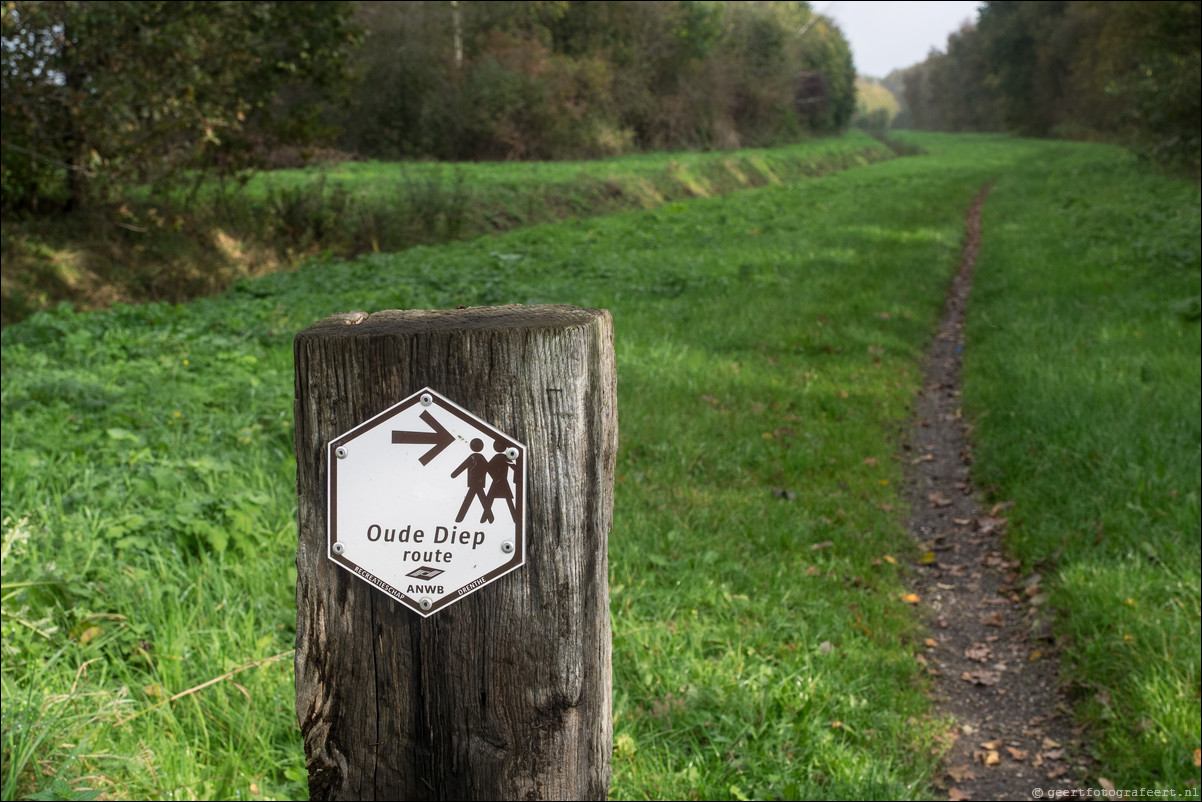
column 427, row 502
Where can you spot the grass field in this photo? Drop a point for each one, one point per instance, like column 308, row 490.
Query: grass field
column 768, row 346
column 1085, row 375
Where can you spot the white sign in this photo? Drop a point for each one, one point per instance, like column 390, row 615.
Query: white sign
column 427, row 502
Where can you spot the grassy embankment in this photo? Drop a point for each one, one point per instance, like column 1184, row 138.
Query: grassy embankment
column 171, row 250
column 768, row 349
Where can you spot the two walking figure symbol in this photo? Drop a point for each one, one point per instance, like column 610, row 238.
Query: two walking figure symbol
column 479, row 471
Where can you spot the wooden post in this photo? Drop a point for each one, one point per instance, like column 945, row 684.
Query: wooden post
column 505, row 694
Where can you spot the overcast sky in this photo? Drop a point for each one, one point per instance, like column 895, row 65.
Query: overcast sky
column 888, row 35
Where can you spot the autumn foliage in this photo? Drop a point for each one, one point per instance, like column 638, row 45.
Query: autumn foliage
column 509, row 80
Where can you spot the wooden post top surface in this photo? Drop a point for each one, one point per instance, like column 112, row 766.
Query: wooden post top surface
column 421, row 321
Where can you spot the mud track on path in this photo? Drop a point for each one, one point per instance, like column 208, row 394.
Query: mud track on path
column 991, row 656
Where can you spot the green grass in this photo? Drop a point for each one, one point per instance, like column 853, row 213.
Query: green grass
column 768, row 347
column 1083, row 369
column 359, row 207
column 756, row 166
column 189, row 244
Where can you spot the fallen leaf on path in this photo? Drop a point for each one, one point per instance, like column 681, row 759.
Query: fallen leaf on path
column 1059, row 771
column 1033, row 656
column 979, row 652
column 927, row 557
column 1106, row 784
column 989, row 525
column 994, row 744
column 1048, row 743
column 1054, row 754
column 923, row 458
column 1002, row 505
column 989, row 758
column 993, row 620
column 1017, row 754
column 980, row 677
column 961, row 773
column 910, row 598
column 931, row 642
column 939, row 500
column 956, row 795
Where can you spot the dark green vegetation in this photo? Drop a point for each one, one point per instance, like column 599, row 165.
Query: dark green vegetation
column 1130, row 71
column 508, row 80
column 102, row 96
column 769, row 345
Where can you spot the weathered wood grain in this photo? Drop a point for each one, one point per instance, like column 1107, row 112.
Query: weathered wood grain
column 505, row 694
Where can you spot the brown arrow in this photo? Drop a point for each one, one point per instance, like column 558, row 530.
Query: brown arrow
column 440, row 438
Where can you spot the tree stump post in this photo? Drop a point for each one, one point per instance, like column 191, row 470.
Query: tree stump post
column 506, row 693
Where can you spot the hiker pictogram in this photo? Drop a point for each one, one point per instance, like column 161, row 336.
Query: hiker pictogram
column 481, row 470
column 499, row 468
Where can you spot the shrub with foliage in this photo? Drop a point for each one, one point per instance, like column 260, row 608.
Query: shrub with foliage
column 99, row 95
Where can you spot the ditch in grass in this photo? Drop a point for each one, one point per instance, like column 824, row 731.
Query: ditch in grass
column 198, row 243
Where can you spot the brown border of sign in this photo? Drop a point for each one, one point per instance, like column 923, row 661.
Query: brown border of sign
column 519, row 553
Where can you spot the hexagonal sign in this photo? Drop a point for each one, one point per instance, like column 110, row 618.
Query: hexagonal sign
column 427, row 502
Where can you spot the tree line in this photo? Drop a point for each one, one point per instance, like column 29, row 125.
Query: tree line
column 1126, row 71
column 101, row 96
column 549, row 80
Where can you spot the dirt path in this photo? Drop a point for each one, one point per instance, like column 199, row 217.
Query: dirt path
column 991, row 657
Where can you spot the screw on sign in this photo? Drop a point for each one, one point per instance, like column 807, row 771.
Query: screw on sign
column 427, row 502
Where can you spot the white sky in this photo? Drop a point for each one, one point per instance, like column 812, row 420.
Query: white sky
column 888, row 35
